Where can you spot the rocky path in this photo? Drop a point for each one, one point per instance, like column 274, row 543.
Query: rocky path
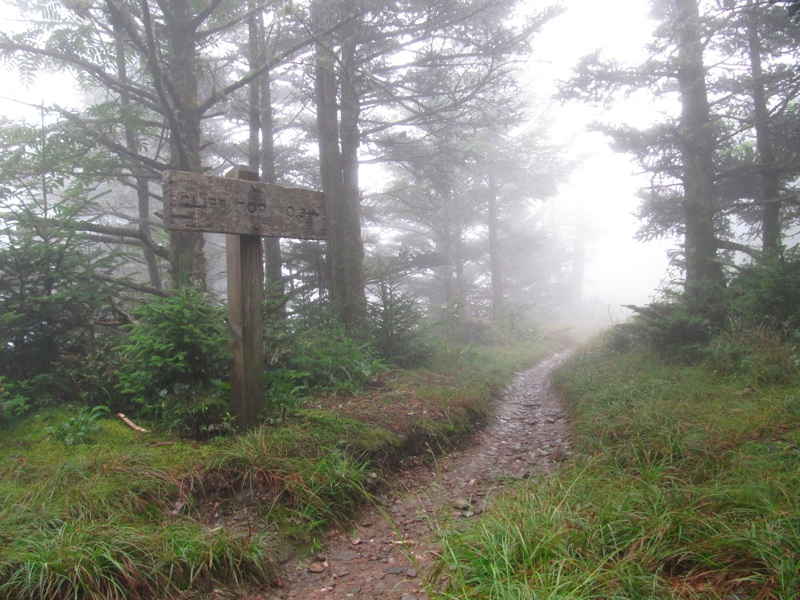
column 392, row 544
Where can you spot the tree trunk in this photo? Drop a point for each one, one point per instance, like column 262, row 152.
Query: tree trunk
column 495, row 263
column 141, row 181
column 330, row 158
column 769, row 185
column 261, row 152
column 704, row 275
column 354, row 302
column 575, row 291
column 187, row 259
column 276, row 289
column 339, row 174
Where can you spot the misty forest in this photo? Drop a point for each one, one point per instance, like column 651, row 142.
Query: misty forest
column 446, row 268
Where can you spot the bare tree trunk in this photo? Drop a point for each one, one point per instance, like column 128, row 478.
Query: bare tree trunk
column 769, row 185
column 261, row 149
column 704, row 275
column 330, row 158
column 354, row 302
column 575, row 291
column 272, row 245
column 495, row 262
column 339, row 173
column 141, row 181
column 187, row 259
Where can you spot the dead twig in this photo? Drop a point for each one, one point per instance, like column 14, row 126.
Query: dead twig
column 131, row 424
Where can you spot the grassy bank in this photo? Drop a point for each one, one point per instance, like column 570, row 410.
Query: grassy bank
column 684, row 484
column 141, row 515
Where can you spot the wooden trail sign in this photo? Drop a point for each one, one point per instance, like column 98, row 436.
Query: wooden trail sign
column 246, row 210
column 194, row 202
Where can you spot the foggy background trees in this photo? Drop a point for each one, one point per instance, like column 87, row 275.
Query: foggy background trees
column 721, row 162
column 436, row 164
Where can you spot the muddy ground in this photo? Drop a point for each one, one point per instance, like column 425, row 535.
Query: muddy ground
column 391, row 547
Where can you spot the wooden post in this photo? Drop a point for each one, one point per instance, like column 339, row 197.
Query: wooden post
column 245, row 210
column 245, row 321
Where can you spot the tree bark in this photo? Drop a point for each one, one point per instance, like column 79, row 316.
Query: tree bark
column 578, row 263
column 354, row 302
column 704, row 274
column 339, row 170
column 187, row 262
column 495, row 263
column 141, row 181
column 330, row 158
column 769, row 185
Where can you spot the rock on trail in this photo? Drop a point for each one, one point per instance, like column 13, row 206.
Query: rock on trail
column 386, row 553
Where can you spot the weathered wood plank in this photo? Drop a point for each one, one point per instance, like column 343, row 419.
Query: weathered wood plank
column 194, row 202
column 245, row 326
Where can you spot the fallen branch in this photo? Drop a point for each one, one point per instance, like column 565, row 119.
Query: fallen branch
column 131, row 424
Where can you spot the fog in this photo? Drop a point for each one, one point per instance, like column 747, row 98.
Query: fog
column 620, row 270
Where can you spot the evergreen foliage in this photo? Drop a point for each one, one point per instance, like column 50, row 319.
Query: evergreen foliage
column 175, row 358
column 396, row 322
column 766, row 292
column 330, row 359
column 761, row 311
column 53, row 276
column 667, row 328
column 13, row 401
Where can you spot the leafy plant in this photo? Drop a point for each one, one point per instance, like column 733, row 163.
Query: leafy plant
column 192, row 411
column 78, row 429
column 334, row 360
column 13, row 402
column 285, row 390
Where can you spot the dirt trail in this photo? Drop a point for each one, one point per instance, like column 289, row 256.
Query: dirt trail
column 529, row 434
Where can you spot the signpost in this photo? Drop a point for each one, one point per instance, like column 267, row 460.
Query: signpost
column 245, row 209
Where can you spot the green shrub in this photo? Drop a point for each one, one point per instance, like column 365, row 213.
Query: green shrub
column 396, row 324
column 333, row 360
column 193, row 410
column 667, row 328
column 624, row 338
column 174, row 359
column 767, row 292
column 13, row 402
column 756, row 355
column 285, row 390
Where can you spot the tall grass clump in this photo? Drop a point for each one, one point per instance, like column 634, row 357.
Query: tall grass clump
column 100, row 559
column 302, row 486
column 683, row 485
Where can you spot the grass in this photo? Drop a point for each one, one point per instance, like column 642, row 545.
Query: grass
column 132, row 515
column 684, row 485
column 99, row 521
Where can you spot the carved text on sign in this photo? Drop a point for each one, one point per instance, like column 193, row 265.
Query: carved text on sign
column 194, row 202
